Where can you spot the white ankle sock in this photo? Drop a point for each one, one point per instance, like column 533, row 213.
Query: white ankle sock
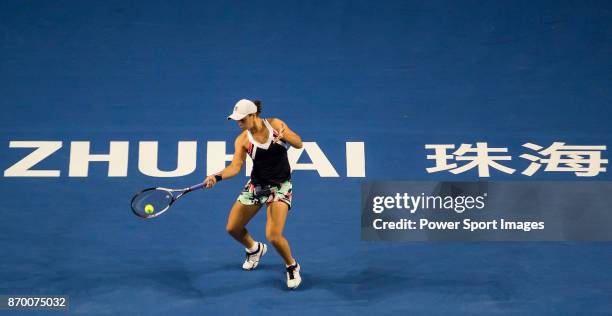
column 288, row 265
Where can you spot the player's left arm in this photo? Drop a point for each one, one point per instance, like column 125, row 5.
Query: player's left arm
column 285, row 133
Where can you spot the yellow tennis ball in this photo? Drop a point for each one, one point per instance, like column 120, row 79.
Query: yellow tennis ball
column 149, row 209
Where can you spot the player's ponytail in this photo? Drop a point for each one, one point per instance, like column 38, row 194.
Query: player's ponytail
column 258, row 104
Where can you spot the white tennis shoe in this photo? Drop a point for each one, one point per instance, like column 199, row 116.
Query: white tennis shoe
column 252, row 258
column 293, row 276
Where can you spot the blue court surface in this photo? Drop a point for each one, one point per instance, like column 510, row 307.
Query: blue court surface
column 393, row 75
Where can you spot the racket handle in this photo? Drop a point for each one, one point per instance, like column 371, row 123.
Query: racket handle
column 197, row 186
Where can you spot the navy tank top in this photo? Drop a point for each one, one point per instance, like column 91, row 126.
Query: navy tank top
column 270, row 162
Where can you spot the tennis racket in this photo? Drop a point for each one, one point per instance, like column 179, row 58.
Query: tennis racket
column 152, row 202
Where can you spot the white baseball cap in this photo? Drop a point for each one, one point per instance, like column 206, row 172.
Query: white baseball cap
column 241, row 109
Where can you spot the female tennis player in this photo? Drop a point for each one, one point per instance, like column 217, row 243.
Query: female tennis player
column 266, row 141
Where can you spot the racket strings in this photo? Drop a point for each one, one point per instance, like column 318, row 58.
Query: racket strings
column 151, row 202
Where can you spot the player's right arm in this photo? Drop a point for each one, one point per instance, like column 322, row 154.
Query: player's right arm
column 235, row 166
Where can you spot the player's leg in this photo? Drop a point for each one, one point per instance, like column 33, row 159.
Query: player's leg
column 238, row 218
column 277, row 216
column 243, row 210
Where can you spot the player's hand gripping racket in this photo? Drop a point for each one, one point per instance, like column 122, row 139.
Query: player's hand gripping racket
column 152, row 202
